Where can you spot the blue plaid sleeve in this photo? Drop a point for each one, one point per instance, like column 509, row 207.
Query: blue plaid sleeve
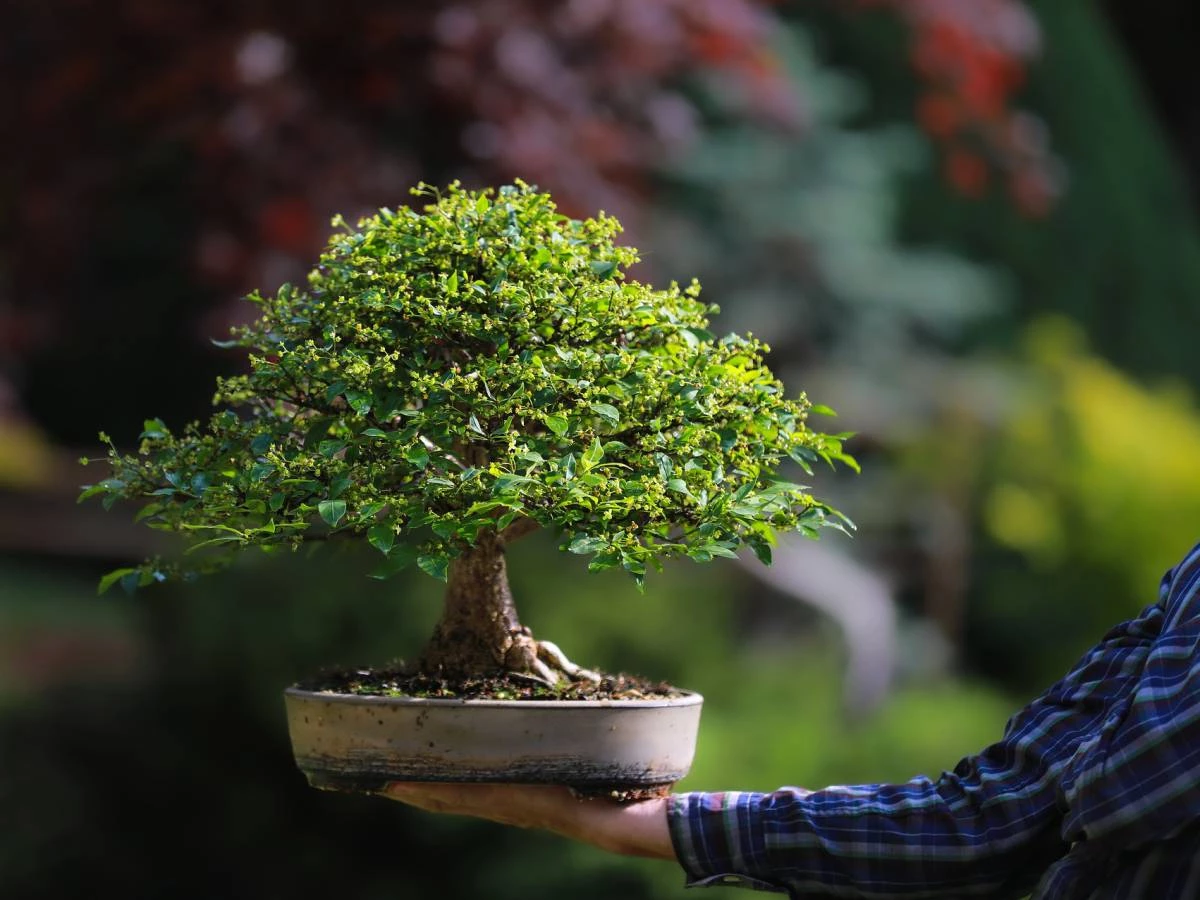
column 1137, row 779
column 1112, row 751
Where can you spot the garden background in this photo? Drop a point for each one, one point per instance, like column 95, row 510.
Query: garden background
column 970, row 228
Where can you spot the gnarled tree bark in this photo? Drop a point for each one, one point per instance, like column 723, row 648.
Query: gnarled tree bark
column 479, row 632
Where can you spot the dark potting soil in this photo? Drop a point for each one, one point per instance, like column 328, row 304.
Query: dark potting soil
column 396, row 681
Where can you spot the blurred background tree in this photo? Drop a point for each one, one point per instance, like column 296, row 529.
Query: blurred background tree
column 968, row 227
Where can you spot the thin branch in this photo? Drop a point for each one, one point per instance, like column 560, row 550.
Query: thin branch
column 430, row 445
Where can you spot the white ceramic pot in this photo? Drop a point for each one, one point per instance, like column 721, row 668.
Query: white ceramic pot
column 353, row 742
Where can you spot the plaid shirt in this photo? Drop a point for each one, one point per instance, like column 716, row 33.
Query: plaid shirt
column 1092, row 792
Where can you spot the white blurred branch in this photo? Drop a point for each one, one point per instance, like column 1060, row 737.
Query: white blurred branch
column 857, row 599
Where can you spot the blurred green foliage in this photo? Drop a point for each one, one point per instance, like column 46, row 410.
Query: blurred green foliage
column 26, row 455
column 801, row 238
column 1055, row 489
column 1120, row 254
column 1088, row 492
column 1094, row 462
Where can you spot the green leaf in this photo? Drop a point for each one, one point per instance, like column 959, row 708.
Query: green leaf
column 417, row 455
column 665, row 467
column 678, row 485
column 557, row 424
column 508, row 481
column 332, row 511
column 400, row 558
column 603, row 268
column 604, row 560
column 261, row 443
column 360, row 401
column 720, row 550
column 91, row 490
column 436, row 565
column 473, row 425
column 370, row 510
column 338, row 486
column 153, row 429
column 446, row 530
column 508, row 518
column 633, row 565
column 587, row 544
column 147, row 511
column 334, row 390
column 783, row 488
column 317, row 430
column 382, row 538
column 849, row 461
column 804, row 457
column 213, row 542
column 593, row 454
column 607, row 412
column 330, row 449
column 112, row 578
column 761, row 549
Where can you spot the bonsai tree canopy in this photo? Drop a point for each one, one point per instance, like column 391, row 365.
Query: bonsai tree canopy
column 453, row 378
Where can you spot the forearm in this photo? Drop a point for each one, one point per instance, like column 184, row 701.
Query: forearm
column 631, row 829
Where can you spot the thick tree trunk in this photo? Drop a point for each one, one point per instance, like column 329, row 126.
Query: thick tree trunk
column 479, row 632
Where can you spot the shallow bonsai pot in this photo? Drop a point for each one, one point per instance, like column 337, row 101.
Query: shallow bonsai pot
column 351, row 742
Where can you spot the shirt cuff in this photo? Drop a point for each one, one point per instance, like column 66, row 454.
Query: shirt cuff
column 718, row 839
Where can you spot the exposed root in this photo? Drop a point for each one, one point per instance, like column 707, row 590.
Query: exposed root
column 531, row 678
column 544, row 672
column 543, row 661
column 550, row 653
column 523, row 658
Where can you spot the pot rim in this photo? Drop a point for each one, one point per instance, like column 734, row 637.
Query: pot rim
column 688, row 698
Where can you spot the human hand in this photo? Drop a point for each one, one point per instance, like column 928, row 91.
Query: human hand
column 634, row 829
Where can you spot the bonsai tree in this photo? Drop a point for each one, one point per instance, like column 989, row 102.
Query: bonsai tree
column 454, row 378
